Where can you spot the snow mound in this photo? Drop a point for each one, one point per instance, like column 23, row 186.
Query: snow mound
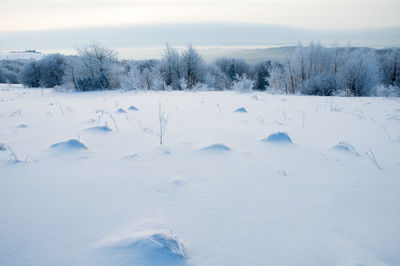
column 280, row 137
column 241, row 110
column 99, row 129
column 130, row 157
column 216, row 148
column 121, row 111
column 133, row 108
column 3, row 147
column 345, row 147
column 70, row 145
column 155, row 241
column 172, row 185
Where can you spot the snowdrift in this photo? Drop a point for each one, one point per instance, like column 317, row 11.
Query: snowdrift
column 280, row 137
column 154, row 241
column 3, row 147
column 216, row 148
column 99, row 129
column 241, row 110
column 121, row 111
column 133, row 108
column 67, row 146
column 345, row 147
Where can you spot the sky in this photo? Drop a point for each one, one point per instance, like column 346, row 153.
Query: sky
column 27, row 15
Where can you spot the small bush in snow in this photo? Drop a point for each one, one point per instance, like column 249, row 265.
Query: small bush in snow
column 243, row 84
column 386, row 91
column 47, row 72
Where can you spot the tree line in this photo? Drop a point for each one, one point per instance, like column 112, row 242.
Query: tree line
column 309, row 70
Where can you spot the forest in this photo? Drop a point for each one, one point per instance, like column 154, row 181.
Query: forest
column 309, row 70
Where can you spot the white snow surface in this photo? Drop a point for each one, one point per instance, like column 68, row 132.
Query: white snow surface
column 258, row 204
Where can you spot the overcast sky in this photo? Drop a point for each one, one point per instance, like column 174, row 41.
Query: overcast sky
column 311, row 14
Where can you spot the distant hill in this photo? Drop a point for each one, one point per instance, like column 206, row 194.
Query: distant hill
column 17, row 55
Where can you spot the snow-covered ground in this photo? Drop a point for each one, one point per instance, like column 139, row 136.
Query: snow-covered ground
column 109, row 194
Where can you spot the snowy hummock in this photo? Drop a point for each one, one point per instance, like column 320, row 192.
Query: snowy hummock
column 216, row 147
column 257, row 204
column 147, row 239
column 121, row 110
column 99, row 129
column 280, row 137
column 70, row 145
column 133, row 108
column 241, row 110
column 3, row 147
column 345, row 147
column 22, row 126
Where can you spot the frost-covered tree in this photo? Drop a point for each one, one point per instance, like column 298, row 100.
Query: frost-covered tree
column 47, row 72
column 192, row 67
column 30, row 75
column 215, row 78
column 278, row 78
column 171, row 68
column 326, row 71
column 73, row 70
column 143, row 75
column 98, row 68
column 7, row 76
column 131, row 80
column 282, row 77
column 261, row 75
column 360, row 72
column 209, row 80
column 390, row 65
column 232, row 75
column 233, row 68
column 223, row 64
column 10, row 70
column 52, row 68
column 243, row 84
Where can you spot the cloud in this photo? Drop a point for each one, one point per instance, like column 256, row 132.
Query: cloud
column 200, row 34
column 327, row 14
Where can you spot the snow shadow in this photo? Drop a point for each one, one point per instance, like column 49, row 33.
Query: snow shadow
column 99, row 129
column 216, row 148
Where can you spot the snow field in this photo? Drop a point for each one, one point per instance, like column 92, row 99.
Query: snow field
column 214, row 190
